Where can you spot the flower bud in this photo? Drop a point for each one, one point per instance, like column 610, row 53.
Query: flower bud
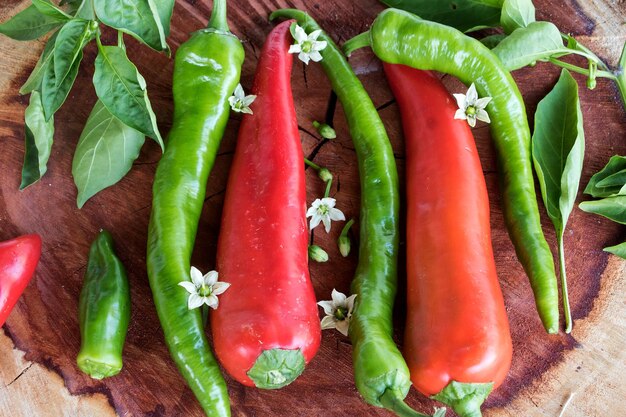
column 317, row 254
column 325, row 130
column 325, row 175
column 344, row 245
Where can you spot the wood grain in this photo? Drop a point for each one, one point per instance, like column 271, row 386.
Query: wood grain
column 42, row 334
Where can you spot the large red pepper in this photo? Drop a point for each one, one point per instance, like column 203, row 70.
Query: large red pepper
column 457, row 328
column 267, row 325
column 18, row 260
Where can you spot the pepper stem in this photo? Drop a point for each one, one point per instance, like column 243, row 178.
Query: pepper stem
column 218, row 16
column 359, row 41
column 392, row 400
column 465, row 398
column 276, row 368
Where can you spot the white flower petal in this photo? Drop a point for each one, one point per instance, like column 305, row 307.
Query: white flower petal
column 300, row 35
column 219, row 288
column 460, row 101
column 319, row 45
column 232, row 100
column 326, row 221
column 339, row 298
column 343, row 326
column 314, row 35
column 327, row 306
column 312, row 210
column 328, row 322
column 472, row 95
column 239, row 93
column 196, row 277
column 304, row 57
column 481, row 103
column 471, row 120
column 249, row 100
column 194, row 301
column 210, row 278
column 315, row 221
column 336, row 214
column 460, row 114
column 483, row 115
column 328, row 202
column 191, row 289
column 315, row 56
column 350, row 303
column 246, row 110
column 295, row 48
column 212, row 301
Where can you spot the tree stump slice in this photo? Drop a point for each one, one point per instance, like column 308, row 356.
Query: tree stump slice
column 40, row 341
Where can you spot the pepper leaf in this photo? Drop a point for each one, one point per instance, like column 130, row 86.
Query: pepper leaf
column 139, row 18
column 39, row 137
column 464, row 15
column 122, row 90
column 517, row 14
column 70, row 42
column 610, row 180
column 613, row 208
column 619, row 250
column 49, row 9
column 558, row 148
column 84, row 10
column 29, row 24
column 36, row 76
column 104, row 154
column 537, row 42
column 53, row 94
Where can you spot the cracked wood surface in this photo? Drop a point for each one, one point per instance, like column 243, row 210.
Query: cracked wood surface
column 39, row 343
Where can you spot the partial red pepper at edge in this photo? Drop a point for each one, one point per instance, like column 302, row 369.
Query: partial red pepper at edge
column 266, row 327
column 457, row 328
column 18, row 260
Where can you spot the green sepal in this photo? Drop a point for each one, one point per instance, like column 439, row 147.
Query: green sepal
column 276, row 368
column 465, row 398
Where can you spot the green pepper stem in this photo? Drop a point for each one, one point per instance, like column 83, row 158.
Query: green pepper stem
column 312, row 164
column 359, row 41
column 583, row 71
column 329, row 183
column 218, row 16
column 587, row 51
column 392, row 401
column 566, row 308
column 346, row 228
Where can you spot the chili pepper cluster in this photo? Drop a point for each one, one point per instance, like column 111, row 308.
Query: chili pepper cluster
column 265, row 324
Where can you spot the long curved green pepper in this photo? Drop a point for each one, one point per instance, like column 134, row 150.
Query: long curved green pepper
column 104, row 311
column 206, row 71
column 399, row 37
column 380, row 372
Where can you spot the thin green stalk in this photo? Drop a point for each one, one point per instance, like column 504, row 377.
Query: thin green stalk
column 620, row 75
column 329, row 183
column 359, row 41
column 579, row 70
column 346, row 228
column 566, row 308
column 218, row 16
column 588, row 52
column 312, row 164
column 392, row 401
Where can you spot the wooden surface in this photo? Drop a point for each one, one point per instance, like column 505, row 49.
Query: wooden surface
column 40, row 340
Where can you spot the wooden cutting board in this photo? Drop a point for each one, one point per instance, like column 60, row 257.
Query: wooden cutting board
column 39, row 343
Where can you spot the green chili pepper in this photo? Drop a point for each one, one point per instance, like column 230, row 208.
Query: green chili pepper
column 380, row 372
column 399, row 37
column 206, row 71
column 104, row 311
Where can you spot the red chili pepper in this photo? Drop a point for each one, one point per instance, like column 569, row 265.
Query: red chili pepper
column 267, row 325
column 18, row 260
column 457, row 328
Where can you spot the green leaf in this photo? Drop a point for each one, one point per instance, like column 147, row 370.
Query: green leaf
column 70, row 42
column 49, row 9
column 598, row 187
column 123, row 91
column 558, row 148
column 53, row 95
column 537, row 42
column 464, row 15
column 619, row 250
column 85, row 10
column 39, row 137
column 492, row 41
column 517, row 14
column 165, row 9
column 613, row 208
column 104, row 154
column 28, row 24
column 36, row 76
column 139, row 18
